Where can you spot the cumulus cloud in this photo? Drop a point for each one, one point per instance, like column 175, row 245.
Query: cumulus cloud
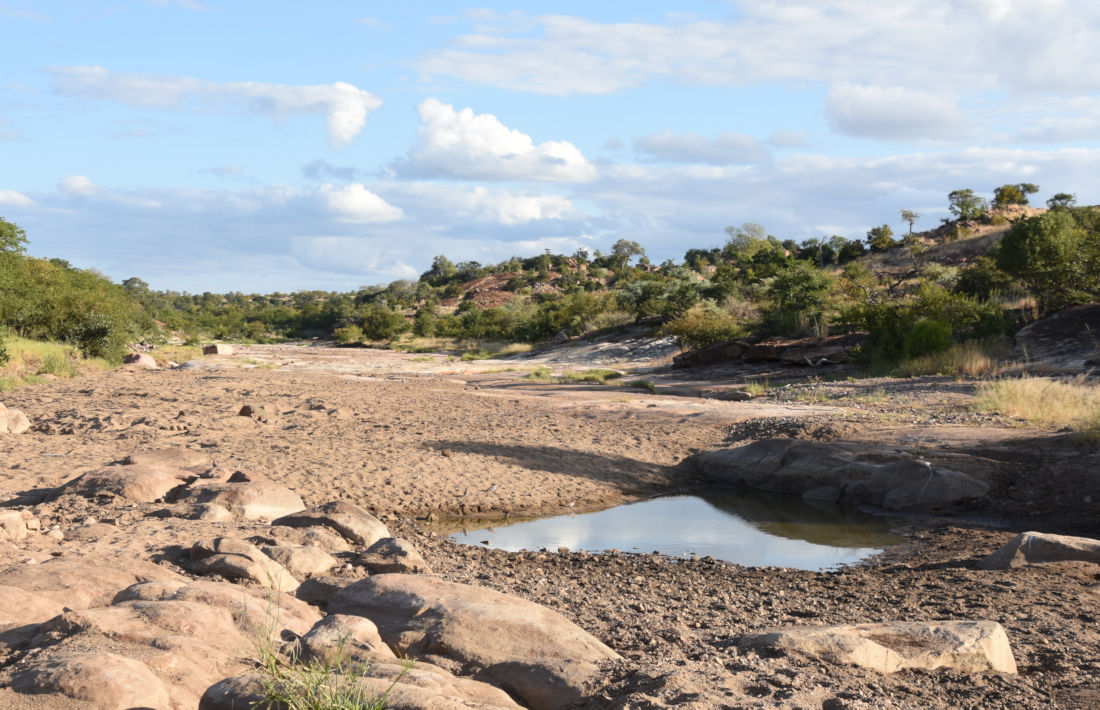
column 484, row 204
column 892, row 113
column 344, row 106
column 78, row 185
column 726, row 148
column 14, row 199
column 355, row 203
column 463, row 144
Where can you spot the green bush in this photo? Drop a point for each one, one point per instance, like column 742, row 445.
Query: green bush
column 349, row 335
column 927, row 337
column 382, row 323
column 702, row 326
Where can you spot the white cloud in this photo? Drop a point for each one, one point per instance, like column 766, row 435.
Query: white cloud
column 892, row 113
column 461, row 202
column 787, row 139
column 344, row 106
column 14, row 199
column 355, row 203
column 78, row 185
column 463, row 144
column 726, row 148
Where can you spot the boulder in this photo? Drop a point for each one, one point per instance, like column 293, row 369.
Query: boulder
column 177, row 457
column 1068, row 337
column 211, row 513
column 13, row 421
column 248, row 496
column 846, row 473
column 711, row 354
column 301, row 561
column 263, row 413
column 141, row 360
column 968, row 646
column 521, row 646
column 1030, row 548
column 348, row 519
column 106, row 680
column 319, row 590
column 13, row 525
column 217, row 349
column 19, row 606
column 83, row 582
column 344, row 637
column 393, row 554
column 237, row 559
column 141, row 483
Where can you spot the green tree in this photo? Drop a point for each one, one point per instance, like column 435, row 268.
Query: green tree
column 1006, row 195
column 798, row 293
column 13, row 240
column 880, row 238
column 911, row 217
column 442, row 271
column 1054, row 257
column 622, row 251
column 381, row 323
column 965, row 205
column 1062, row 200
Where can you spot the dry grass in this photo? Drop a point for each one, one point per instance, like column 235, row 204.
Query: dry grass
column 1073, row 404
column 30, row 360
column 962, row 360
column 467, row 348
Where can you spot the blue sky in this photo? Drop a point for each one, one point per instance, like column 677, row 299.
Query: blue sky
column 208, row 145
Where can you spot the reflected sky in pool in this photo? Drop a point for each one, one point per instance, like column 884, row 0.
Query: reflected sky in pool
column 745, row 528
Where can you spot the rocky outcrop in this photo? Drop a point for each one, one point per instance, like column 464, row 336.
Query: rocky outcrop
column 13, row 421
column 17, row 525
column 840, row 472
column 393, row 554
column 1071, row 337
column 249, row 496
column 140, row 483
column 1032, row 548
column 711, row 354
column 178, row 457
column 521, row 646
column 106, row 680
column 811, row 352
column 237, row 559
column 968, row 646
column 351, row 521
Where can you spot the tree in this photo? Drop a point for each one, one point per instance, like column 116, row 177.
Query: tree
column 622, row 250
column 1006, row 195
column 13, row 240
column 442, row 270
column 1051, row 254
column 965, row 205
column 1062, row 200
column 880, row 238
column 911, row 217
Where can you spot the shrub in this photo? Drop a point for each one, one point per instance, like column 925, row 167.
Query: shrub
column 702, row 326
column 382, row 323
column 348, row 335
column 927, row 337
column 5, row 356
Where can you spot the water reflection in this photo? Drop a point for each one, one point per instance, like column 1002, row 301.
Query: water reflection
column 746, row 528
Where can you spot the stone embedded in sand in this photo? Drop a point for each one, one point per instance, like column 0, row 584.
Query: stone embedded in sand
column 263, row 413
column 393, row 554
column 841, row 472
column 238, row 559
column 83, row 582
column 141, row 360
column 217, row 349
column 248, row 496
column 177, row 457
column 13, row 421
column 211, row 513
column 354, row 638
column 968, row 646
column 301, row 561
column 104, row 679
column 13, row 525
column 535, row 652
column 1030, row 548
column 140, row 483
column 348, row 519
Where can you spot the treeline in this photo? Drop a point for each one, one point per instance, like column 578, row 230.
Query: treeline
column 754, row 285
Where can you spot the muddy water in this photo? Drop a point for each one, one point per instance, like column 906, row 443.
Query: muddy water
column 748, row 529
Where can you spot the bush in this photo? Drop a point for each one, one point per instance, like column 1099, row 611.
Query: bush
column 5, row 356
column 382, row 323
column 348, row 335
column 702, row 326
column 927, row 337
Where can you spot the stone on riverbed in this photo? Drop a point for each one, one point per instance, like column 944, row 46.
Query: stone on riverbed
column 842, row 472
column 178, row 457
column 348, row 519
column 140, row 483
column 13, row 421
column 968, row 646
column 524, row 647
column 238, row 559
column 249, row 496
column 393, row 554
column 1029, row 548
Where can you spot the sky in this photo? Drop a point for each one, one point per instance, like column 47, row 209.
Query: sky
column 217, row 145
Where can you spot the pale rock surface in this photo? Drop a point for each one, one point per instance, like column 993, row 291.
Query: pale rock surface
column 847, row 473
column 301, row 561
column 248, row 496
column 393, row 554
column 176, row 457
column 13, row 525
column 141, row 360
column 526, row 648
column 1030, row 548
column 348, row 519
column 238, row 559
column 83, row 582
column 13, row 421
column 211, row 513
column 217, row 349
column 141, row 483
column 968, row 646
column 109, row 681
column 355, row 637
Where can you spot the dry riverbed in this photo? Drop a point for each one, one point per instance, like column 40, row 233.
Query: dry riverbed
column 413, row 438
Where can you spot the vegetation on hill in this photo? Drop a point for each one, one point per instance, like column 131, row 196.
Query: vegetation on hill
column 970, row 279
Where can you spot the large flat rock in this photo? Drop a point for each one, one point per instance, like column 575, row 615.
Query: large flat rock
column 1031, row 548
column 354, row 523
column 248, row 496
column 141, row 483
column 842, row 472
column 526, row 648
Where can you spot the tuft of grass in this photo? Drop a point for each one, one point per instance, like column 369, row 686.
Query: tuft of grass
column 960, row 360
column 643, row 384
column 540, row 374
column 28, row 361
column 1042, row 401
column 421, row 359
column 757, row 388
column 597, row 375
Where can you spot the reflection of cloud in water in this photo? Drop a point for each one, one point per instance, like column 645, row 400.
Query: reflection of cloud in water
column 747, row 529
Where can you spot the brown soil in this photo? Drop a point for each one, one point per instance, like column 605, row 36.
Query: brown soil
column 410, row 438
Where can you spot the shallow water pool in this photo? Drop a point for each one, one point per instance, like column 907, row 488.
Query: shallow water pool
column 745, row 528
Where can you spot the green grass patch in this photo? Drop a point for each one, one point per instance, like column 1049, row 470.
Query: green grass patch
column 642, row 384
column 28, row 361
column 540, row 374
column 597, row 375
column 757, row 388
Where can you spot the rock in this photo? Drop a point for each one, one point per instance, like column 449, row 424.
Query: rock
column 348, row 519
column 248, row 496
column 319, row 590
column 104, row 679
column 968, row 646
column 353, row 638
column 1030, row 548
column 13, row 526
column 13, row 421
column 526, row 648
column 263, row 413
column 83, row 582
column 718, row 352
column 217, row 349
column 19, row 606
column 393, row 554
column 238, row 559
column 301, row 561
column 178, row 457
column 1068, row 337
column 211, row 513
column 767, row 351
column 141, row 360
column 848, row 473
column 141, row 483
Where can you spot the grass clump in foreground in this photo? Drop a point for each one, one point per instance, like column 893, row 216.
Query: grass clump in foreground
column 1045, row 402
